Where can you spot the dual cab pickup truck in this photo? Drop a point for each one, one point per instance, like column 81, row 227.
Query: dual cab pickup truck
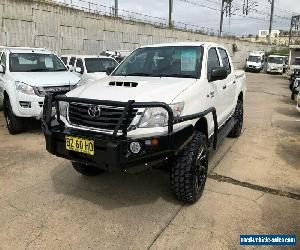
column 164, row 103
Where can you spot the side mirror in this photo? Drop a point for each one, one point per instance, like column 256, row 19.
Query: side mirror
column 109, row 70
column 2, row 69
column 70, row 68
column 218, row 73
column 79, row 70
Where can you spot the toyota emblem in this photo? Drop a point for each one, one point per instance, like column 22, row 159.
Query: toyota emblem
column 94, row 111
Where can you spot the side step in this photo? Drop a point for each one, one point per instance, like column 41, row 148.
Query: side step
column 224, row 131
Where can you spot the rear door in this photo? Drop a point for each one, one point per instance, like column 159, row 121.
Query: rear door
column 229, row 84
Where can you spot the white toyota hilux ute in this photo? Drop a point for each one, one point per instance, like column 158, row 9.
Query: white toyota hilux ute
column 26, row 76
column 167, row 103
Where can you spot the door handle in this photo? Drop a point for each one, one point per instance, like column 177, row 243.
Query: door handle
column 225, row 86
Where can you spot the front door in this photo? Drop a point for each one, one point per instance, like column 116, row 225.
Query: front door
column 217, row 94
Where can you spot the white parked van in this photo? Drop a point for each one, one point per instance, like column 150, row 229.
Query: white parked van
column 93, row 67
column 26, row 76
column 255, row 61
column 275, row 64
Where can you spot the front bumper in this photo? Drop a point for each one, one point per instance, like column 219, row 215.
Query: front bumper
column 275, row 70
column 34, row 109
column 112, row 150
column 111, row 154
column 253, row 69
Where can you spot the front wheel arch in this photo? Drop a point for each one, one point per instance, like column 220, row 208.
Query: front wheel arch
column 201, row 126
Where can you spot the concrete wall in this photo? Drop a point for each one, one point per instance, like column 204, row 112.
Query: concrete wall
column 66, row 30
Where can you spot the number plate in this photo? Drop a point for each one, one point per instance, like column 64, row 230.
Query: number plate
column 80, row 145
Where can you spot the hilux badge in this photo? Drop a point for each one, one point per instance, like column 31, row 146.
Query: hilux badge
column 94, row 111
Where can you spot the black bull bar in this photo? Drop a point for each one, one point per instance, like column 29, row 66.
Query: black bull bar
column 52, row 100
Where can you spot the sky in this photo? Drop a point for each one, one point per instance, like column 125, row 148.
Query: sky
column 208, row 14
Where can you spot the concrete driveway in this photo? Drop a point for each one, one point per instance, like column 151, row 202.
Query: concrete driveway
column 253, row 188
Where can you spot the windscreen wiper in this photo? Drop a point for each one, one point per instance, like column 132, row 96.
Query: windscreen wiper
column 174, row 75
column 139, row 74
column 38, row 70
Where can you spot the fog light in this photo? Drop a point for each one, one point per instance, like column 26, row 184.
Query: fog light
column 25, row 104
column 135, row 147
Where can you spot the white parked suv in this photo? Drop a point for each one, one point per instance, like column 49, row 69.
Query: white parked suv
column 26, row 76
column 91, row 67
column 164, row 103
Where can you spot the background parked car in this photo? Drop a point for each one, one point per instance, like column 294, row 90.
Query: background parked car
column 294, row 60
column 26, row 76
column 298, row 102
column 91, row 67
column 118, row 55
column 69, row 61
column 295, row 86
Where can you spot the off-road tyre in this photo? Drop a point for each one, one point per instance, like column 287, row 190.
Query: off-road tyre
column 239, row 118
column 86, row 170
column 15, row 124
column 189, row 170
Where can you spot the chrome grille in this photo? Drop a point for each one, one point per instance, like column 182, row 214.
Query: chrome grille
column 108, row 119
column 42, row 91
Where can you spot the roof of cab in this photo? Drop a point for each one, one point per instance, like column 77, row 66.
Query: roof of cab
column 276, row 56
column 93, row 56
column 86, row 56
column 26, row 50
column 187, row 44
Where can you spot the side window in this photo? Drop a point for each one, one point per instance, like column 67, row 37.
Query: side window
column 72, row 61
column 3, row 61
column 212, row 61
column 79, row 64
column 225, row 60
column 64, row 59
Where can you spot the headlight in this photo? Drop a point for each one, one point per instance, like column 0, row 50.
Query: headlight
column 158, row 117
column 24, row 88
column 63, row 108
column 80, row 83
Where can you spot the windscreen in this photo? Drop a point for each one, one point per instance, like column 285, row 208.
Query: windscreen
column 99, row 64
column 296, row 61
column 276, row 60
column 169, row 61
column 34, row 62
column 254, row 59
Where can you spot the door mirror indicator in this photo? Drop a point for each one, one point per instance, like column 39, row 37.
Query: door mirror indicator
column 70, row 68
